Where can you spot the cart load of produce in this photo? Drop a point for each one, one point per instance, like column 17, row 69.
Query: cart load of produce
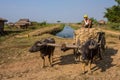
column 83, row 34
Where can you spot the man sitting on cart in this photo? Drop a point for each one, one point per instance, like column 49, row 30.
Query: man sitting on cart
column 87, row 22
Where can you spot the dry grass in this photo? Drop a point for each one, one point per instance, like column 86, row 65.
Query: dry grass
column 16, row 63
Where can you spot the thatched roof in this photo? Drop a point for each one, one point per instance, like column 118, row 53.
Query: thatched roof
column 10, row 24
column 23, row 22
column 101, row 22
column 4, row 20
column 26, row 20
column 19, row 23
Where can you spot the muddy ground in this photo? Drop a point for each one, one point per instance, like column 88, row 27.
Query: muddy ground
column 17, row 63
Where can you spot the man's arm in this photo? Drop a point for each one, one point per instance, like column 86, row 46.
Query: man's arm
column 90, row 23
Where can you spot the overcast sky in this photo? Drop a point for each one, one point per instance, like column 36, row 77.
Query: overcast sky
column 53, row 10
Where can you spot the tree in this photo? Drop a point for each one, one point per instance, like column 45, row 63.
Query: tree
column 118, row 1
column 43, row 23
column 58, row 21
column 113, row 13
column 94, row 21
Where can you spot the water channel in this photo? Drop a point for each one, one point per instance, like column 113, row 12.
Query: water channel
column 67, row 32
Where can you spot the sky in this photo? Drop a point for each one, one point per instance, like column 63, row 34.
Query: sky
column 53, row 10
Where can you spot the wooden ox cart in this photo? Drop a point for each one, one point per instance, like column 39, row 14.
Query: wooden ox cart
column 88, row 43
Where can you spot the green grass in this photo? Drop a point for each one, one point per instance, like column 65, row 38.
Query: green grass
column 112, row 26
column 9, row 32
column 75, row 26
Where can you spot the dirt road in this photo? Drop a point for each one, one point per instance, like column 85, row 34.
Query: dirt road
column 22, row 65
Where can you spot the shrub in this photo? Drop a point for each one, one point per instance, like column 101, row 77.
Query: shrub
column 115, row 26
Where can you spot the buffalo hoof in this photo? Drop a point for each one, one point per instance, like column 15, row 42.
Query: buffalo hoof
column 101, row 58
column 83, row 73
column 43, row 66
column 51, row 65
column 90, row 72
column 75, row 62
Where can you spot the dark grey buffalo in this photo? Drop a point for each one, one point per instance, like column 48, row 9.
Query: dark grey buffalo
column 45, row 50
column 88, row 51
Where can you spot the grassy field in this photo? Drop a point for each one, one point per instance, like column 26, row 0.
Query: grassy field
column 10, row 32
column 14, row 43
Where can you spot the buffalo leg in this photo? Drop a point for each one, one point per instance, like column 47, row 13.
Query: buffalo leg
column 52, row 58
column 79, row 57
column 74, row 51
column 43, row 62
column 83, row 68
column 100, row 54
column 49, row 57
column 89, row 64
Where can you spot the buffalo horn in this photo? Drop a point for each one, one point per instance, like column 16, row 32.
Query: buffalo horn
column 50, row 44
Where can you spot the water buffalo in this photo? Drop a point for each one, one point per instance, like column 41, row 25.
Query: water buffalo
column 88, row 51
column 45, row 50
